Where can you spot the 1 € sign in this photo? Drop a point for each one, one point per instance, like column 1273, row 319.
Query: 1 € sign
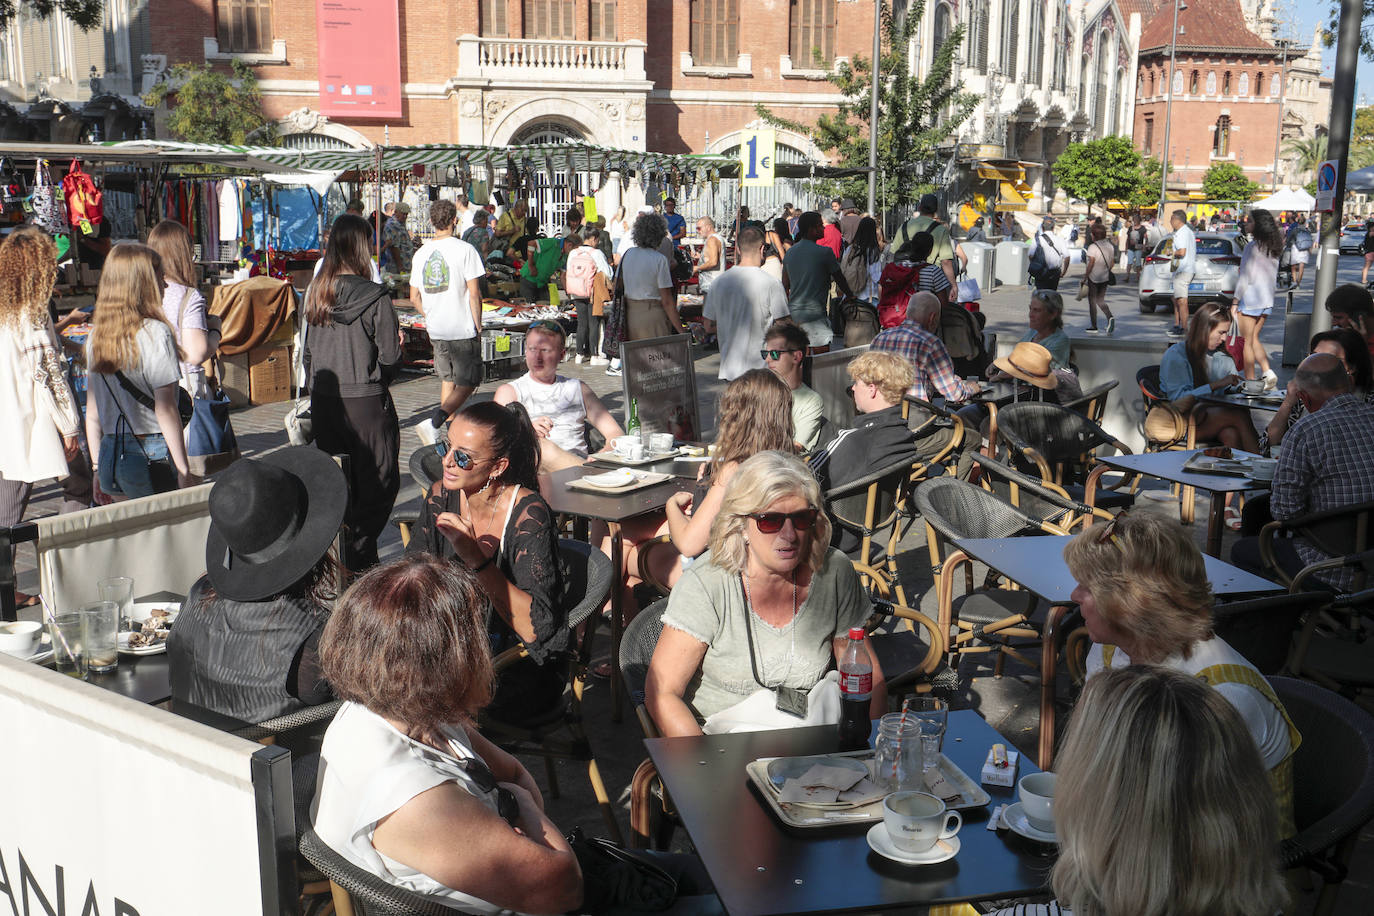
column 756, row 154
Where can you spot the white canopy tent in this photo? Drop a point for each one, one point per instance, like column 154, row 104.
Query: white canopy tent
column 1287, row 200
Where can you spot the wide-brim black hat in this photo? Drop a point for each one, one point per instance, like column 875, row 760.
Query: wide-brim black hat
column 271, row 520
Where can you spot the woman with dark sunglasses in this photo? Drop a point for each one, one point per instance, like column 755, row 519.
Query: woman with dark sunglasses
column 487, row 515
column 748, row 637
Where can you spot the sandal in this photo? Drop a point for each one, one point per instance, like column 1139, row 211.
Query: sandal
column 1232, row 518
column 23, row 600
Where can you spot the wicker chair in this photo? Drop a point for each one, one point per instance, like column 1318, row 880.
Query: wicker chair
column 360, row 893
column 1059, row 444
column 1334, row 650
column 652, row 818
column 871, row 509
column 1176, row 431
column 923, row 416
column 1093, row 404
column 991, row 619
column 1333, row 783
column 426, row 469
column 1042, row 500
column 1342, row 534
column 589, row 576
column 1262, row 629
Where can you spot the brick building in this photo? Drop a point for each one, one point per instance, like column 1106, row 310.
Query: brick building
column 1227, row 82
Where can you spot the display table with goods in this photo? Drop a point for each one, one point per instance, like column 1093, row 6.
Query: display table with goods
column 503, row 333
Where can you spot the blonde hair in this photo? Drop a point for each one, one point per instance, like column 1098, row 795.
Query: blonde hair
column 1148, row 579
column 755, row 412
column 1162, row 803
column 892, row 374
column 28, row 270
column 172, row 243
column 130, row 293
column 758, row 483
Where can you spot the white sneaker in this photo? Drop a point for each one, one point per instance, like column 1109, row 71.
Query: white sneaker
column 578, row 359
column 1271, row 380
column 426, row 431
column 598, row 361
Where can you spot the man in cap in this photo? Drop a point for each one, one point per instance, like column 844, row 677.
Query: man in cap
column 925, row 220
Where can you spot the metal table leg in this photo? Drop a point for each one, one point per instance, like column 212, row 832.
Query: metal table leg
column 617, row 619
column 1048, row 657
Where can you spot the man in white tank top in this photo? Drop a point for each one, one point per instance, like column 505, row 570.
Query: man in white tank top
column 558, row 406
column 711, row 262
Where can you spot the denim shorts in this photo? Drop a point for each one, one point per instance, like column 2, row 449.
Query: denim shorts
column 124, row 464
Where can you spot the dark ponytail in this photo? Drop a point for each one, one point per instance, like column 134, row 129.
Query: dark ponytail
column 512, row 437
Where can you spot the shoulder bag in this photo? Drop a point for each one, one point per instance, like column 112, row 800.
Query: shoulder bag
column 615, row 316
column 162, row 474
column 613, row 877
column 299, row 426
column 185, row 407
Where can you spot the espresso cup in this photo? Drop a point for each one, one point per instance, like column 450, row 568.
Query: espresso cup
column 20, row 637
column 629, row 447
column 1037, row 800
column 915, row 821
column 661, row 442
column 1254, row 386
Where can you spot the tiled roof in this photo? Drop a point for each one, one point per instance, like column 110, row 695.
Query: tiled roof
column 1146, row 9
column 1211, row 24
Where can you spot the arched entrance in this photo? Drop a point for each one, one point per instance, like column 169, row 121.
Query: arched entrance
column 552, row 197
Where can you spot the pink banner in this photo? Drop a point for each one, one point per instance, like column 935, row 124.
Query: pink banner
column 360, row 58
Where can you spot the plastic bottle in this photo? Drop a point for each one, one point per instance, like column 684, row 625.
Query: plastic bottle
column 856, row 689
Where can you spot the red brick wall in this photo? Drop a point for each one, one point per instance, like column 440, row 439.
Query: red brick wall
column 1254, row 117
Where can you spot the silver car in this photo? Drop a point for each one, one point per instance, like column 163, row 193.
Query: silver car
column 1352, row 239
column 1214, row 275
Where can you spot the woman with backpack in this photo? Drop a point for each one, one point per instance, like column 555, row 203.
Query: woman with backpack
column 1259, row 273
column 862, row 264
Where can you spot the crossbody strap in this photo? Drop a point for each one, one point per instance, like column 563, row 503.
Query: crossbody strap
column 123, row 418
column 133, row 390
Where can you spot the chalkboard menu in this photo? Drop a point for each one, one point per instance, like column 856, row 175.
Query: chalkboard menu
column 658, row 374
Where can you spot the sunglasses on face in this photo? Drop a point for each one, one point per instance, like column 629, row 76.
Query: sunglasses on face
column 772, row 522
column 775, row 354
column 461, row 458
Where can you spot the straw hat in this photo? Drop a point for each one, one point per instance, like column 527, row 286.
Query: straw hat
column 1029, row 362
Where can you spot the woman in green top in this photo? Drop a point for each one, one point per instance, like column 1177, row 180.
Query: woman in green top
column 1046, row 320
column 545, row 258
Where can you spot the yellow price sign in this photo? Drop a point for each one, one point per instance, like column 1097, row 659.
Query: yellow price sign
column 756, row 155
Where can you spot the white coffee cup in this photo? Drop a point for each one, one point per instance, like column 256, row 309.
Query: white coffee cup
column 1037, row 800
column 1254, row 386
column 628, row 447
column 661, row 442
column 915, row 821
column 20, row 638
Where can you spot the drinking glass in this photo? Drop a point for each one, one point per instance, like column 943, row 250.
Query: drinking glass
column 67, row 655
column 897, row 753
column 933, row 714
column 100, row 635
column 120, row 590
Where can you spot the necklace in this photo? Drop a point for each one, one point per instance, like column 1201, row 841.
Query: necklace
column 494, row 500
column 790, row 629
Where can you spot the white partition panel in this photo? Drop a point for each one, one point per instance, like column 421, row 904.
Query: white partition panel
column 109, row 806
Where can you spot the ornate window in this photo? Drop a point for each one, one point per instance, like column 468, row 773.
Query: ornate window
column 1243, row 85
column 1259, row 82
column 603, row 20
column 1037, row 43
column 243, row 26
column 491, row 19
column 1011, row 38
column 1061, row 44
column 551, row 19
column 1178, row 82
column 978, row 36
column 812, row 33
column 1221, row 136
column 1274, row 85
column 1226, row 83
column 715, row 33
column 1194, row 82
column 1149, row 135
column 941, row 30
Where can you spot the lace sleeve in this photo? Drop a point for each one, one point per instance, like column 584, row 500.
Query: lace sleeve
column 50, row 372
column 530, row 559
column 425, row 536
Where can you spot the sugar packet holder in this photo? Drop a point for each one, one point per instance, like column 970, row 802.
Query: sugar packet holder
column 1000, row 767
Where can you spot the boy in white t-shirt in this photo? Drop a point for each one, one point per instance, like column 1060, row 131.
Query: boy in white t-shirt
column 444, row 277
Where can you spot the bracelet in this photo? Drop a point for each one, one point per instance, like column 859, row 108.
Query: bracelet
column 484, row 564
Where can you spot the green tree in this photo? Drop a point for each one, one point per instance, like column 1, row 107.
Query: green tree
column 87, row 14
column 1310, row 152
column 207, row 106
column 915, row 116
column 1146, row 194
column 1100, row 170
column 1363, row 131
column 1366, row 29
column 1227, row 181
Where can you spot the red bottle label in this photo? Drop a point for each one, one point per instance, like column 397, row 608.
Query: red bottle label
column 856, row 684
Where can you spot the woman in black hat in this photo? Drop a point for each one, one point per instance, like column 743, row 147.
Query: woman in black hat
column 245, row 642
column 486, row 514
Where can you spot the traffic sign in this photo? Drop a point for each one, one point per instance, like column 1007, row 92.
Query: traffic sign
column 1326, row 185
column 756, row 156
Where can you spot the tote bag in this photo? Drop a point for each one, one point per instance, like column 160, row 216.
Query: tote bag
column 210, row 442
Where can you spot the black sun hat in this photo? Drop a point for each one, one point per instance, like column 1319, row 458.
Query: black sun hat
column 271, row 520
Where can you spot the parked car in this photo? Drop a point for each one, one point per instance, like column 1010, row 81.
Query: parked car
column 1214, row 276
column 1352, row 239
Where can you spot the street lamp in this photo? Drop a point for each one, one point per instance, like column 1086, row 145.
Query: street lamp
column 1169, row 109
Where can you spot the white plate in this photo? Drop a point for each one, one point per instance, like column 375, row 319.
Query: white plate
column 1015, row 818
column 141, row 650
column 611, row 479
column 40, row 657
column 881, row 843
column 140, row 611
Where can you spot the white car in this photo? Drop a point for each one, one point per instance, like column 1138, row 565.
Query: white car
column 1214, row 277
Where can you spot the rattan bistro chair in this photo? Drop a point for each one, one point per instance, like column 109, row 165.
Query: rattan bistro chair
column 426, row 469
column 360, row 893
column 652, row 818
column 1093, row 404
column 589, row 577
column 1333, row 783
column 870, row 510
column 1036, row 498
column 1060, row 445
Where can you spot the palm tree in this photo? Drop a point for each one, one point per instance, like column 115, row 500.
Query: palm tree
column 1309, row 152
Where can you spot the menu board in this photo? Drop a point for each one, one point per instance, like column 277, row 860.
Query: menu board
column 658, row 373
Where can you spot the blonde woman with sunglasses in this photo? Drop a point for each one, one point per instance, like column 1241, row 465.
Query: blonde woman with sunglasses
column 748, row 637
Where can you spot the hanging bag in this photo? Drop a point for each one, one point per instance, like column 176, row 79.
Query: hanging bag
column 85, row 202
column 300, row 429
column 210, row 442
column 615, row 319
column 1235, row 345
column 48, row 212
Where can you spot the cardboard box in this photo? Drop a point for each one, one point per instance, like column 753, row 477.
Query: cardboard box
column 234, row 379
column 269, row 373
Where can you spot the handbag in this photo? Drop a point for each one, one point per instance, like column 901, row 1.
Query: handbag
column 968, row 290
column 1235, row 346
column 615, row 877
column 300, row 429
column 48, row 212
column 161, row 473
column 210, row 442
column 615, row 329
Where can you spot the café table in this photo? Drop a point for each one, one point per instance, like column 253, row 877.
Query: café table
column 1037, row 564
column 1244, row 401
column 1169, row 466
column 614, row 510
column 759, row 866
column 145, row 678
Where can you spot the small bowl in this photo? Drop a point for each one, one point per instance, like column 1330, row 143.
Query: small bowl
column 20, row 638
column 1037, row 800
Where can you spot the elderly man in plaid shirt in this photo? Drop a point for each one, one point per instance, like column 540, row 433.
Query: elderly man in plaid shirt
column 1325, row 464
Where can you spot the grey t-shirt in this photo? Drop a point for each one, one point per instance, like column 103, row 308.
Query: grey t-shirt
column 708, row 605
column 743, row 302
column 157, row 366
column 809, row 268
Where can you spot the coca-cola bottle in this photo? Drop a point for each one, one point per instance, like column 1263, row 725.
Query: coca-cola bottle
column 856, row 689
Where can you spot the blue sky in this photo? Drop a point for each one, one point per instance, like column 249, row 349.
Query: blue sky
column 1308, row 16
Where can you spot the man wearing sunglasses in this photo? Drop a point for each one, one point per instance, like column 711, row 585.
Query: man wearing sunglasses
column 784, row 351
column 559, row 407
column 742, row 302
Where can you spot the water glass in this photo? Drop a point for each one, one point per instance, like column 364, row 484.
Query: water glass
column 897, row 753
column 933, row 715
column 100, row 635
column 120, row 590
column 67, row 655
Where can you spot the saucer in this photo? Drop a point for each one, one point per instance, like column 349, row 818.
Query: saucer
column 1014, row 816
column 881, row 843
